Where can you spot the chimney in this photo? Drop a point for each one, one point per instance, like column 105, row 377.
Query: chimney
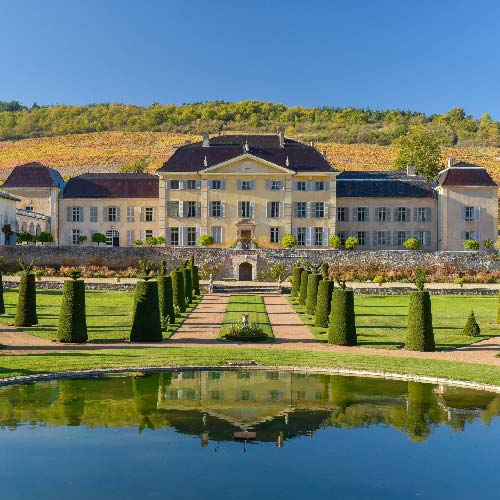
column 312, row 144
column 188, row 142
column 206, row 140
column 410, row 169
column 451, row 162
column 281, row 136
column 324, row 154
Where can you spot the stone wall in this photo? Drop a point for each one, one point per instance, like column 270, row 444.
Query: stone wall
column 261, row 259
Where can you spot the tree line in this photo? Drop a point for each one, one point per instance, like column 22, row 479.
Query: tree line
column 325, row 123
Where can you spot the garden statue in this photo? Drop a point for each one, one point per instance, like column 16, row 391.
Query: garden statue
column 210, row 284
column 280, row 286
column 244, row 320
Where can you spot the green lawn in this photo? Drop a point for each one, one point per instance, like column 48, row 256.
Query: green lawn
column 381, row 320
column 253, row 305
column 109, row 314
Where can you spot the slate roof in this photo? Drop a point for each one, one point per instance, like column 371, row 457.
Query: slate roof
column 301, row 157
column 7, row 196
column 112, row 186
column 33, row 175
column 383, row 185
column 465, row 174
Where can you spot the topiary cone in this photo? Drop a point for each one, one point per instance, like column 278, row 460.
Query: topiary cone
column 72, row 320
column 166, row 298
column 471, row 327
column 420, row 334
column 196, row 279
column 303, row 287
column 26, row 302
column 323, row 303
column 178, row 289
column 342, row 329
column 2, row 303
column 297, row 271
column 312, row 292
column 146, row 325
column 188, row 284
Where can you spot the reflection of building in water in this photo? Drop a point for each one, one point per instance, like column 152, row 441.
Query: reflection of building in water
column 213, row 405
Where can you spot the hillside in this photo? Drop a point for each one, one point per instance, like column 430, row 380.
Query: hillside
column 105, row 151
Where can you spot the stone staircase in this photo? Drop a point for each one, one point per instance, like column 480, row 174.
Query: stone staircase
column 247, row 288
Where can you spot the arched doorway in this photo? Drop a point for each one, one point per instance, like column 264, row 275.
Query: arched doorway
column 245, row 271
column 112, row 238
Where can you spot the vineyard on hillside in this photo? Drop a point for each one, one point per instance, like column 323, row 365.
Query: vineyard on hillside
column 106, row 151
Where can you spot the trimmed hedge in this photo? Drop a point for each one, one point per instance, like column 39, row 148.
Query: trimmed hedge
column 72, row 320
column 178, row 289
column 297, row 271
column 303, row 287
column 166, row 298
column 471, row 328
column 188, row 284
column 323, row 303
column 196, row 279
column 26, row 301
column 420, row 334
column 146, row 325
column 312, row 292
column 342, row 329
column 2, row 303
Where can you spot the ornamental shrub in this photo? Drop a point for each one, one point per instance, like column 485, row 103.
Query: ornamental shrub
column 2, row 303
column 26, row 302
column 412, row 244
column 323, row 303
column 178, row 289
column 420, row 334
column 471, row 245
column 334, row 241
column 488, row 244
column 98, row 238
column 342, row 329
column 196, row 279
column 146, row 324
column 351, row 243
column 206, row 240
column 471, row 327
column 289, row 241
column 312, row 292
column 303, row 287
column 72, row 320
column 277, row 271
column 166, row 300
column 297, row 271
column 188, row 284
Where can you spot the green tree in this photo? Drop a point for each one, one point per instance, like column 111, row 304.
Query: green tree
column 45, row 237
column 26, row 301
column 471, row 245
column 420, row 333
column 471, row 328
column 297, row 271
column 72, row 325
column 334, row 241
column 178, row 289
column 351, row 243
column 137, row 166
column 312, row 292
column 146, row 323
column 418, row 147
column 98, row 238
column 303, row 287
column 289, row 241
column 323, row 303
column 206, row 240
column 342, row 327
column 412, row 244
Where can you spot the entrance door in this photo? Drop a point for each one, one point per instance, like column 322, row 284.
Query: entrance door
column 245, row 272
column 112, row 238
column 246, row 233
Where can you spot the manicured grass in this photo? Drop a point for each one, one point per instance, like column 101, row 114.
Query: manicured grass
column 217, row 356
column 381, row 320
column 253, row 305
column 109, row 314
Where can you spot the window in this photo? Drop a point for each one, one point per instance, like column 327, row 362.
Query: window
column 246, row 185
column 382, row 214
column 216, row 184
column 343, row 236
column 76, row 214
column 75, row 234
column 382, row 238
column 130, row 214
column 424, row 237
column 319, row 186
column 361, row 214
column 471, row 214
column 93, row 214
column 301, row 186
column 173, row 209
column 274, row 209
column 402, row 236
column 471, row 235
column 275, row 235
column 341, row 214
column 301, row 209
column 402, row 214
column 130, row 237
column 217, row 234
column 319, row 209
column 216, row 209
column 318, row 236
column 191, row 236
column 191, row 184
column 422, row 214
column 28, row 209
column 175, row 185
column 190, row 209
column 361, row 236
column 149, row 214
column 174, row 236
column 276, row 185
column 301, row 236
column 148, row 233
column 245, row 210
column 112, row 214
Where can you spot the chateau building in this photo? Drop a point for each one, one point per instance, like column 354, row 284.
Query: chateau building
column 251, row 190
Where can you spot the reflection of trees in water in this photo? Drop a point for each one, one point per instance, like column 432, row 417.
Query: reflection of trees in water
column 309, row 402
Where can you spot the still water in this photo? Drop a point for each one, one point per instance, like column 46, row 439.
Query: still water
column 172, row 435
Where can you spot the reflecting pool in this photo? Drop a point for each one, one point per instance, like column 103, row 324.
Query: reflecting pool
column 175, row 435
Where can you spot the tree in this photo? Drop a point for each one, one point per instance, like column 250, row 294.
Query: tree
column 471, row 245
column 26, row 301
column 342, row 328
column 178, row 289
column 412, row 244
column 323, row 303
column 72, row 325
column 277, row 271
column 45, row 237
column 82, row 239
column 297, row 271
column 98, row 238
column 303, row 287
column 137, row 166
column 471, row 327
column 206, row 240
column 151, row 241
column 289, row 241
column 312, row 292
column 188, row 284
column 420, row 148
column 334, row 241
column 351, row 243
column 138, row 243
column 24, row 238
column 166, row 300
column 146, row 324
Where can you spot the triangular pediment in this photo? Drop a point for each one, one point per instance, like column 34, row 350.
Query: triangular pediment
column 247, row 164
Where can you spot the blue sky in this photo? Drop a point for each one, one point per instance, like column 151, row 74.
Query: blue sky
column 424, row 55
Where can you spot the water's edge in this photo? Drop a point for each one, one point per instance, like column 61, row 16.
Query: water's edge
column 24, row 379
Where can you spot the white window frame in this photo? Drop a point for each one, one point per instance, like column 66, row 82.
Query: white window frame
column 94, row 214
column 130, row 214
column 174, row 236
column 301, row 236
column 190, row 236
column 274, row 234
column 149, row 214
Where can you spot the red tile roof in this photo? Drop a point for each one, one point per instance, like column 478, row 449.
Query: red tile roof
column 33, row 175
column 465, row 174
